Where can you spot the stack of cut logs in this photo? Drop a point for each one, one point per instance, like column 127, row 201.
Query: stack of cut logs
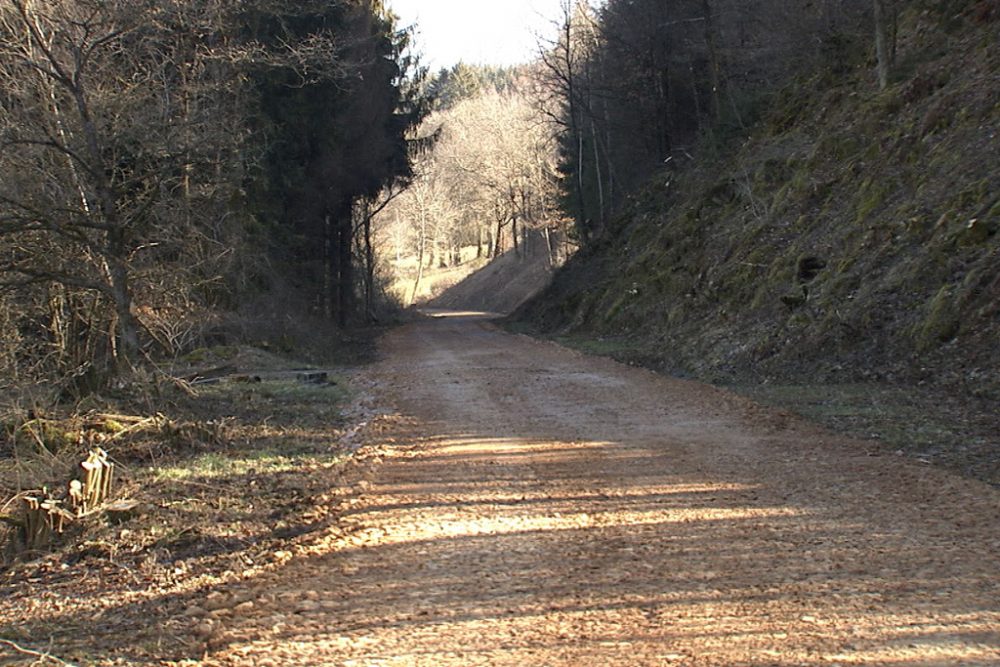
column 47, row 515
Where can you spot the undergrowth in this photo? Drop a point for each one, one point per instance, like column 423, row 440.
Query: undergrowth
column 237, row 431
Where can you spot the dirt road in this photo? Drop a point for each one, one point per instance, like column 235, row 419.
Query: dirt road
column 538, row 507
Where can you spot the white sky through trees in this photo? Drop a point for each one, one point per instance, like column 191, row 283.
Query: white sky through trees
column 496, row 32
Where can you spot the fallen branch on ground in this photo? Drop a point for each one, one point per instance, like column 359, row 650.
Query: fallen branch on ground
column 37, row 654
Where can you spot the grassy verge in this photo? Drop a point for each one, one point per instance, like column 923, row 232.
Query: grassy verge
column 926, row 424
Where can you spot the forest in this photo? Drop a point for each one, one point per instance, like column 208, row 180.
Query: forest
column 168, row 164
column 284, row 318
column 619, row 93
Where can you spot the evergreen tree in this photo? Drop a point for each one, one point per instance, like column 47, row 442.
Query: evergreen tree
column 332, row 139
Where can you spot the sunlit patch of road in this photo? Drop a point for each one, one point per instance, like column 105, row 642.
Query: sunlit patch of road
column 539, row 507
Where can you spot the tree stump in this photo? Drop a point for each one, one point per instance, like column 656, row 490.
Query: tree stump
column 46, row 515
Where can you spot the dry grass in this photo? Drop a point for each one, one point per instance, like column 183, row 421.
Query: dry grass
column 228, row 434
column 227, row 483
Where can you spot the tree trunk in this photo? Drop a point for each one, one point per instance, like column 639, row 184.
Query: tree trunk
column 329, row 267
column 885, row 40
column 498, row 248
column 575, row 132
column 714, row 69
column 339, row 259
column 57, row 321
column 125, row 340
column 600, row 179
column 369, row 265
column 345, row 286
column 126, row 335
column 609, row 164
column 588, row 232
column 420, row 256
column 696, row 99
column 441, row 252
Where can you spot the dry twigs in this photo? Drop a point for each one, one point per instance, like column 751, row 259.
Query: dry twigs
column 41, row 655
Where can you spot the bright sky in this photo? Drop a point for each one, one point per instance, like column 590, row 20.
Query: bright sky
column 497, row 32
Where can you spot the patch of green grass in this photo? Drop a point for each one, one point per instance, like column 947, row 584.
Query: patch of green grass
column 302, row 392
column 519, row 326
column 212, row 464
column 220, row 465
column 203, row 354
column 942, row 321
column 286, row 421
column 871, row 196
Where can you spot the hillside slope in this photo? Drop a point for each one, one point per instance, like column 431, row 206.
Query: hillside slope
column 853, row 236
column 504, row 283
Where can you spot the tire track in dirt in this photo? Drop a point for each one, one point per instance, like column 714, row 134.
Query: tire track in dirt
column 539, row 507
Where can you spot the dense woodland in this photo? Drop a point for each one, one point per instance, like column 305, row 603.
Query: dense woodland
column 165, row 163
column 487, row 177
column 643, row 84
column 621, row 90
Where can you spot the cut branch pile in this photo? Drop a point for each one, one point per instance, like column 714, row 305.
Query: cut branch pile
column 44, row 516
column 98, row 474
column 47, row 514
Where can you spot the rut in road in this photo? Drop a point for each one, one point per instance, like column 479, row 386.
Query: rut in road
column 539, row 507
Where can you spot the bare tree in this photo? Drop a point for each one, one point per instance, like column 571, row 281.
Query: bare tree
column 365, row 212
column 125, row 132
column 490, row 175
column 500, row 152
column 80, row 90
column 568, row 100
